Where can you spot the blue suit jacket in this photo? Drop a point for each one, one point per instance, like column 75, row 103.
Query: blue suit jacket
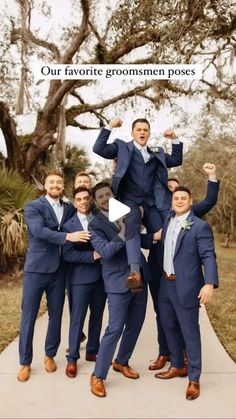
column 45, row 236
column 194, row 249
column 123, row 152
column 106, row 241
column 203, row 207
column 83, row 268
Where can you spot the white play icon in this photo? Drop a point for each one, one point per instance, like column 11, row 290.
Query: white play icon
column 117, row 209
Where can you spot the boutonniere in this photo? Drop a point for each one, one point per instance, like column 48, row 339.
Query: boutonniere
column 187, row 224
column 154, row 149
column 65, row 200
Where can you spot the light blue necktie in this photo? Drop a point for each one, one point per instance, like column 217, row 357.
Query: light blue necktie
column 145, row 154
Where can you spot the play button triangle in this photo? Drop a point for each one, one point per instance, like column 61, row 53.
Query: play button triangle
column 117, row 209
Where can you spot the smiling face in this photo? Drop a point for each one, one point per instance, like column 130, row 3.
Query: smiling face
column 102, row 197
column 54, row 186
column 83, row 180
column 141, row 133
column 181, row 202
column 82, row 202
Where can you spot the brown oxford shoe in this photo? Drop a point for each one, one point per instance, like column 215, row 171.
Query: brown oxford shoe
column 50, row 365
column 159, row 363
column 172, row 372
column 24, row 373
column 91, row 357
column 71, row 369
column 193, row 390
column 134, row 282
column 97, row 386
column 125, row 370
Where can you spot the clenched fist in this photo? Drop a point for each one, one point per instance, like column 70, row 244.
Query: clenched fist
column 210, row 170
column 169, row 133
column 116, row 123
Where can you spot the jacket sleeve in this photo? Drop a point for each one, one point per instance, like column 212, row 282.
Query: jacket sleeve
column 36, row 225
column 71, row 252
column 176, row 157
column 204, row 206
column 206, row 249
column 108, row 151
column 103, row 245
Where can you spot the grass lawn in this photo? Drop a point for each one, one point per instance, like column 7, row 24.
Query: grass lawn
column 222, row 311
column 10, row 308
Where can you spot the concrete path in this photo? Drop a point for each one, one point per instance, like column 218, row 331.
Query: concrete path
column 56, row 396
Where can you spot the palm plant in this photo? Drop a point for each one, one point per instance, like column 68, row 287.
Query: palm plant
column 15, row 193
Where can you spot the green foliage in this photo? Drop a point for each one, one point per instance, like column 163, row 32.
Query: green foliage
column 15, row 193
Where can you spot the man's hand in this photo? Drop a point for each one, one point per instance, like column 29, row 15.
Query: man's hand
column 122, row 225
column 206, row 293
column 157, row 235
column 116, row 123
column 78, row 236
column 169, row 133
column 210, row 170
column 96, row 255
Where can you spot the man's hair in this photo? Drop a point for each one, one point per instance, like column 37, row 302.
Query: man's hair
column 81, row 189
column 54, row 172
column 173, row 179
column 143, row 120
column 100, row 185
column 82, row 174
column 182, row 189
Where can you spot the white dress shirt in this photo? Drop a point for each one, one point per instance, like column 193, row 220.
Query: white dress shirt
column 143, row 151
column 84, row 219
column 172, row 233
column 57, row 207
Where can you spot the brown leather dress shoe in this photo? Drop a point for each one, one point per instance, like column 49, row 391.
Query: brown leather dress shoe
column 172, row 372
column 97, row 386
column 50, row 365
column 24, row 373
column 159, row 363
column 125, row 370
column 91, row 357
column 71, row 369
column 134, row 282
column 193, row 390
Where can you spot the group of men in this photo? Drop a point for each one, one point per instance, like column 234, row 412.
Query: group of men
column 75, row 246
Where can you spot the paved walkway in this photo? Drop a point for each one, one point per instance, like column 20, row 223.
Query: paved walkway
column 56, row 396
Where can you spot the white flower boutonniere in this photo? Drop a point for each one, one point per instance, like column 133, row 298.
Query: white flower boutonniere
column 154, row 149
column 65, row 200
column 187, row 225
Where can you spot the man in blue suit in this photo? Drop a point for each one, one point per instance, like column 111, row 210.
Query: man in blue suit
column 188, row 245
column 155, row 258
column 140, row 179
column 126, row 307
column 45, row 270
column 85, row 284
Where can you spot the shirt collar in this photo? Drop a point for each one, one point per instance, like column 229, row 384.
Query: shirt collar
column 52, row 201
column 140, row 147
column 106, row 213
column 182, row 217
column 82, row 216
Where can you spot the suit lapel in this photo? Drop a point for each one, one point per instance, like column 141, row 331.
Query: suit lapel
column 76, row 222
column 166, row 223
column 105, row 220
column 45, row 201
column 158, row 155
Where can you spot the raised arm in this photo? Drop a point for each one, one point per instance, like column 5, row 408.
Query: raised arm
column 176, row 157
column 108, row 151
column 204, row 206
